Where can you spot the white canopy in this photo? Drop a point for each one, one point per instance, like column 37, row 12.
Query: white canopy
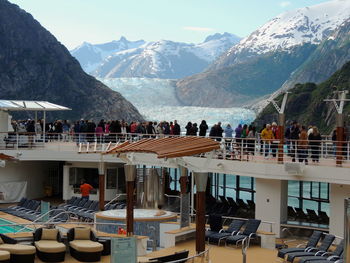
column 30, row 105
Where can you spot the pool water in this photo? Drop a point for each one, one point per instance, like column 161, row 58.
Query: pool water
column 11, row 229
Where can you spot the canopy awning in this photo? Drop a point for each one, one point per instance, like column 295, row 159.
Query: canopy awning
column 169, row 147
column 6, row 157
column 30, row 105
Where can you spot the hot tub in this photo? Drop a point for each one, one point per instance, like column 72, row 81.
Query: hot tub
column 146, row 221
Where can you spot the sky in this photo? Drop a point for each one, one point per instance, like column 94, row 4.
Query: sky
column 99, row 21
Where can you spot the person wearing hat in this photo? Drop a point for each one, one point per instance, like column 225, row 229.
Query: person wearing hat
column 267, row 137
column 274, row 143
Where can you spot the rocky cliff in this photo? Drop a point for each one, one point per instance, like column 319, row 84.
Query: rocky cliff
column 306, row 102
column 35, row 66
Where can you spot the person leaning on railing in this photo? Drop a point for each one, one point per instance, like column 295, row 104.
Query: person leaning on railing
column 315, row 143
column 267, row 137
column 303, row 146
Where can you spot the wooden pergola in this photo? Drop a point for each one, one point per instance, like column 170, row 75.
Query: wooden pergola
column 169, row 147
column 5, row 157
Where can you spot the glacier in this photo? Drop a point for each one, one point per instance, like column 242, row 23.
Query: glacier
column 156, row 101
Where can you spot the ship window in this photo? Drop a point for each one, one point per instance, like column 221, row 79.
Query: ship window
column 227, row 185
column 112, row 177
column 89, row 174
column 309, row 195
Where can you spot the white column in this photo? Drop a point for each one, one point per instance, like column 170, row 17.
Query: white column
column 66, row 187
column 4, row 119
column 271, row 203
column 338, row 193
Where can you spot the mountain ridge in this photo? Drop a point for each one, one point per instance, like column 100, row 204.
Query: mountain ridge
column 160, row 59
column 255, row 63
column 35, row 66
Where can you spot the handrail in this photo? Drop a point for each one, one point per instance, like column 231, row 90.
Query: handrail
column 247, row 149
column 172, row 196
column 245, row 245
column 50, row 219
column 63, row 223
column 114, row 199
column 205, row 252
column 59, row 223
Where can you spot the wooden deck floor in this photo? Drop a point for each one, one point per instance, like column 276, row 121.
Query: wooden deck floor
column 221, row 254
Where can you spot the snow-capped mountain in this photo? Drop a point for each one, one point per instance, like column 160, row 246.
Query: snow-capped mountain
column 90, row 56
column 262, row 62
column 296, row 27
column 160, row 59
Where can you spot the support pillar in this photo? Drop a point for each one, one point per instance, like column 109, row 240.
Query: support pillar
column 271, row 203
column 338, row 193
column 101, row 185
column 185, row 199
column 281, row 123
column 130, row 175
column 201, row 185
column 347, row 230
column 66, row 187
column 4, row 119
column 340, row 138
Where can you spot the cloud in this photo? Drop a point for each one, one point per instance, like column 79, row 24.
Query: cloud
column 285, row 3
column 198, row 29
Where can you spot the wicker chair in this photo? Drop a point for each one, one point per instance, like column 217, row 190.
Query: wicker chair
column 18, row 253
column 49, row 246
column 83, row 245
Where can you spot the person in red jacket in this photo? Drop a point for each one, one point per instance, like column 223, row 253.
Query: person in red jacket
column 85, row 189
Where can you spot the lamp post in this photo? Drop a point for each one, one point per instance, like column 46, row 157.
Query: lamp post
column 130, row 175
column 101, row 184
column 281, row 123
column 201, row 185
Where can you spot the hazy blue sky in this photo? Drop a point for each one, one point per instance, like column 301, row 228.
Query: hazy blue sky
column 98, row 21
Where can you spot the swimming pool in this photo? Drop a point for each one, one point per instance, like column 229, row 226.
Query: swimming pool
column 11, row 229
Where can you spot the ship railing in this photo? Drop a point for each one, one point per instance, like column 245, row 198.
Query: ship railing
column 35, row 225
column 241, row 149
column 114, row 199
column 202, row 257
column 60, row 213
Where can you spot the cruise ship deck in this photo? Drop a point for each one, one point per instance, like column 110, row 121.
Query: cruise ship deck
column 264, row 183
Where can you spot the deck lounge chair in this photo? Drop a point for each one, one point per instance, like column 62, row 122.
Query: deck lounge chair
column 232, row 230
column 18, row 253
column 329, row 261
column 326, row 243
column 49, row 246
column 249, row 232
column 20, row 204
column 83, row 244
column 312, row 243
column 5, row 256
column 80, row 205
column 336, row 254
column 93, row 206
column 74, row 202
column 87, row 204
column 215, row 223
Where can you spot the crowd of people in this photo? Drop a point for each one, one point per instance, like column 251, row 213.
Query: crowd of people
column 299, row 139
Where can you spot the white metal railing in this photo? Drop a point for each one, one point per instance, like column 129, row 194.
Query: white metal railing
column 241, row 149
column 114, row 199
column 39, row 224
column 61, row 212
column 202, row 257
